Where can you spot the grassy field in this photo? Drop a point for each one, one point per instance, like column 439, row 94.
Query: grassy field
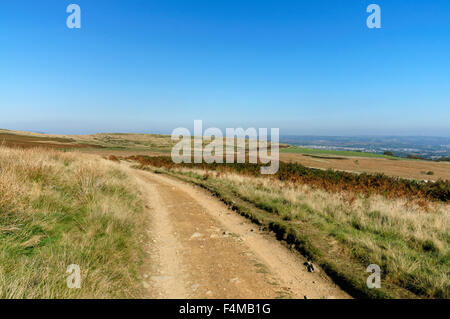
column 313, row 151
column 62, row 207
column 343, row 231
column 59, row 209
column 128, row 142
column 123, row 145
column 29, row 141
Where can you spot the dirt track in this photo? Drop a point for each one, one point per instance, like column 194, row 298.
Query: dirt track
column 200, row 249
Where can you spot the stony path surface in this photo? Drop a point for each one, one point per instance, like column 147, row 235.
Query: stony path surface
column 201, row 249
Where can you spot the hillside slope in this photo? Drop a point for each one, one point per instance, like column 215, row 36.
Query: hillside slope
column 59, row 209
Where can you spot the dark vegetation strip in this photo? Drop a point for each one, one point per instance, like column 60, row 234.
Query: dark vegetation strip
column 25, row 142
column 329, row 180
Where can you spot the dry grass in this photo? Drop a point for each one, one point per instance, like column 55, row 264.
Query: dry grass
column 58, row 209
column 32, row 141
column 151, row 144
column 329, row 180
column 398, row 168
column 410, row 241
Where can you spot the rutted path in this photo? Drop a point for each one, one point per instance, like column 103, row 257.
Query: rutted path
column 201, row 249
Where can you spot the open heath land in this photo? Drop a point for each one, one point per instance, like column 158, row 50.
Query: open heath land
column 340, row 223
column 140, row 226
column 397, row 167
column 123, row 145
column 58, row 209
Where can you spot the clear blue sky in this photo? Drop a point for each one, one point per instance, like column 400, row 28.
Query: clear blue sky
column 307, row 67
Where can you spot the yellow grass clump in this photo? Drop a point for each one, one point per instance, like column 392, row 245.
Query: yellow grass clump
column 58, row 209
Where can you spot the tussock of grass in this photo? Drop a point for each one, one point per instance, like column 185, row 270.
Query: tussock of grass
column 58, row 209
column 345, row 232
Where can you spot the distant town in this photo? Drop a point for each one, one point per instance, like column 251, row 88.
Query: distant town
column 435, row 148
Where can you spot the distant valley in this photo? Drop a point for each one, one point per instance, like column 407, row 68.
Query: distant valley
column 426, row 147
